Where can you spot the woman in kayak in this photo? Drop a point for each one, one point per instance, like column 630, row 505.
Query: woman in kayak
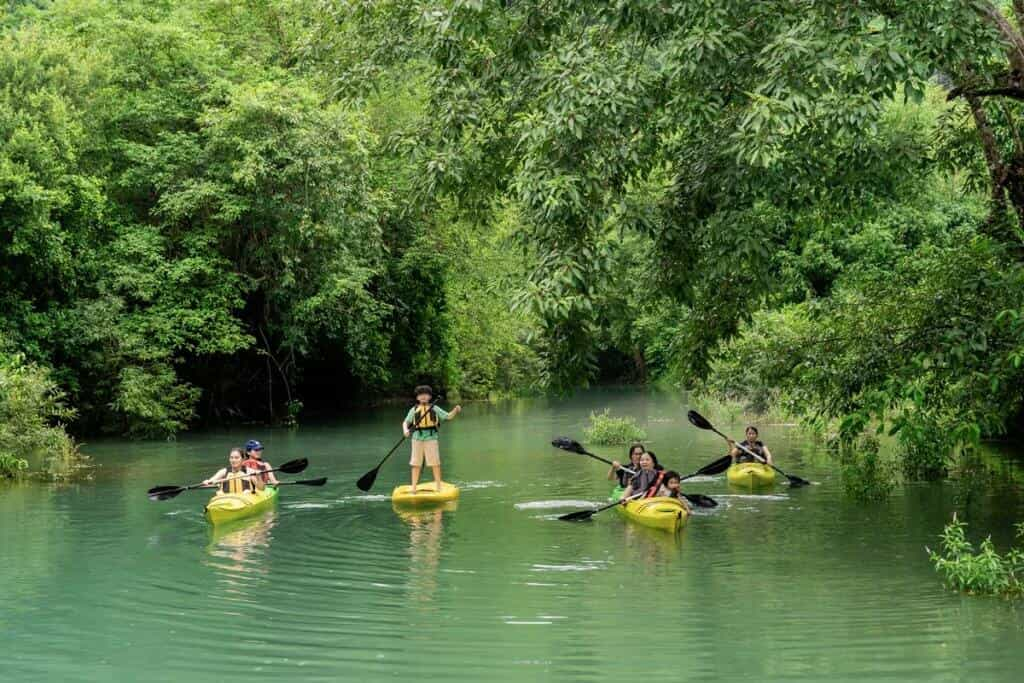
column 647, row 480
column 617, row 473
column 670, row 488
column 255, row 462
column 232, row 479
column 751, row 443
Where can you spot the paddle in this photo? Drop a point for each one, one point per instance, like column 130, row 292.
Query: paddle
column 698, row 420
column 168, row 492
column 700, row 500
column 305, row 482
column 581, row 515
column 365, row 482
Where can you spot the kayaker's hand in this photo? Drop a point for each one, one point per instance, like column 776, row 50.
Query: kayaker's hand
column 406, row 432
column 456, row 410
column 616, row 465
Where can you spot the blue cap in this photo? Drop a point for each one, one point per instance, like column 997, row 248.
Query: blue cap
column 253, row 445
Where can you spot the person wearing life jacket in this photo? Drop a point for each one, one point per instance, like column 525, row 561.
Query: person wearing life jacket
column 622, row 476
column 233, row 478
column 422, row 423
column 647, row 480
column 751, row 443
column 255, row 462
column 670, row 488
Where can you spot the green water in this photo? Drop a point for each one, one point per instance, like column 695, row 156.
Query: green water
column 100, row 584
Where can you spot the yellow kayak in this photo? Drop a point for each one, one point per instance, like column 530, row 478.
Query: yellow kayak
column 750, row 475
column 227, row 507
column 657, row 513
column 426, row 493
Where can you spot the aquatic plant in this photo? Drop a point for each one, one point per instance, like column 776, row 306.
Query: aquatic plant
column 983, row 572
column 867, row 476
column 613, row 431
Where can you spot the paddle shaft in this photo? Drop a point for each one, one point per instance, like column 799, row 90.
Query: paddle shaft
column 611, row 505
column 242, row 475
column 760, row 459
column 695, row 498
column 404, row 437
column 629, row 471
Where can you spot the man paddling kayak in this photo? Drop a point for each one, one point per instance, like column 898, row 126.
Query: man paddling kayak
column 751, row 443
column 422, row 423
column 256, row 463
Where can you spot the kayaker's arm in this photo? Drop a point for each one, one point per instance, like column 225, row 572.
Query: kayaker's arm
column 734, row 450
column 767, row 455
column 271, row 477
column 222, row 473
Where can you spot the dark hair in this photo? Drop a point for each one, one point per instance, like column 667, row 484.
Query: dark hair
column 671, row 474
column 657, row 466
column 636, row 446
column 424, row 389
column 749, row 427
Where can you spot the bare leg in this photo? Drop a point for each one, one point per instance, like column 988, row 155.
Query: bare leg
column 437, row 477
column 415, row 477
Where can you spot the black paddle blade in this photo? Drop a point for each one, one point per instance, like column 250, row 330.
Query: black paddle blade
column 701, row 500
column 166, row 494
column 578, row 516
column 293, row 466
column 365, row 482
column 797, row 482
column 716, row 467
column 161, row 489
column 567, row 444
column 697, row 420
column 312, row 482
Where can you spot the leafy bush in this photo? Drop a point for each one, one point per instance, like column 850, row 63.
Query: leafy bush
column 866, row 475
column 32, row 413
column 613, row 431
column 985, row 571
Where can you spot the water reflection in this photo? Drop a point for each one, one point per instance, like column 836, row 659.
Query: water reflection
column 237, row 552
column 652, row 549
column 426, row 527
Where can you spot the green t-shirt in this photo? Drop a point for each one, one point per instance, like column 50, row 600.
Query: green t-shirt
column 417, row 435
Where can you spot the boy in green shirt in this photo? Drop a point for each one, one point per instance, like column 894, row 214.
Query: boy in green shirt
column 422, row 423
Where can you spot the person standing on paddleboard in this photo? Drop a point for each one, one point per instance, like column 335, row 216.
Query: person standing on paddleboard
column 422, row 423
column 255, row 462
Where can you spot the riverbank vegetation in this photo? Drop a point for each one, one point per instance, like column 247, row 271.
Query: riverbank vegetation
column 219, row 211
column 983, row 570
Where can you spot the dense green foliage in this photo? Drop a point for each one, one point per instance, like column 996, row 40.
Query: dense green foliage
column 606, row 430
column 32, row 410
column 818, row 203
column 230, row 210
column 984, row 570
column 190, row 226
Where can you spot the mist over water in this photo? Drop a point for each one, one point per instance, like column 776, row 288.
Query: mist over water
column 100, row 584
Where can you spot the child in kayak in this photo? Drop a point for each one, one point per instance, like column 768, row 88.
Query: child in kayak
column 752, row 444
column 621, row 475
column 232, row 479
column 256, row 463
column 422, row 423
column 647, row 480
column 670, row 488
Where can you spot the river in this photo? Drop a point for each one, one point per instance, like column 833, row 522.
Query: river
column 100, row 584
